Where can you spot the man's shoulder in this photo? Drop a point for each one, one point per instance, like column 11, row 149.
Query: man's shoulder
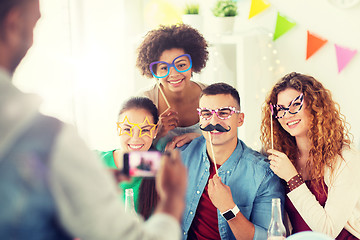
column 192, row 150
column 196, row 143
column 254, row 157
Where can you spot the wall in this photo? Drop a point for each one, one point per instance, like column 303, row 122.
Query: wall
column 83, row 59
column 340, row 26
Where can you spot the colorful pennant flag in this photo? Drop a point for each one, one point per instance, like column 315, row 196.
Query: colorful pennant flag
column 282, row 26
column 257, row 6
column 344, row 56
column 314, row 43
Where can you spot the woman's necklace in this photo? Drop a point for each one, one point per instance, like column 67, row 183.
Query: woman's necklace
column 302, row 167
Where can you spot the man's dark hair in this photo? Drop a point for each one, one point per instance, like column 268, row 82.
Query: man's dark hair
column 221, row 88
column 6, row 6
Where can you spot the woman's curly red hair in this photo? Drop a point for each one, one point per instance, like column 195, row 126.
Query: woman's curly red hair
column 328, row 130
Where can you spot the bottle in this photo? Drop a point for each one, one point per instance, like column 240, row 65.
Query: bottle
column 129, row 201
column 276, row 229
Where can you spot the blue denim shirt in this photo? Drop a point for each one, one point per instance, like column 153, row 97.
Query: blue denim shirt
column 252, row 184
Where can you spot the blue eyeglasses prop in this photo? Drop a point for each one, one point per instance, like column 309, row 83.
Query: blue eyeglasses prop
column 293, row 108
column 161, row 69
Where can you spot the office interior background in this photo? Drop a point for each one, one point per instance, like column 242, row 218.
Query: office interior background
column 82, row 63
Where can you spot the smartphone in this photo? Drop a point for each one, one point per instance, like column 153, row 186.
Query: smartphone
column 141, row 163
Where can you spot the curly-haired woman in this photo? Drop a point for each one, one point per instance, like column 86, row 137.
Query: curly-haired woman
column 171, row 54
column 313, row 154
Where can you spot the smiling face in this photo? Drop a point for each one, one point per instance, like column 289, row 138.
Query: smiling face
column 236, row 120
column 297, row 125
column 175, row 81
column 136, row 133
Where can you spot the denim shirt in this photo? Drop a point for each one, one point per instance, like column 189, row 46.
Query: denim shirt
column 252, row 184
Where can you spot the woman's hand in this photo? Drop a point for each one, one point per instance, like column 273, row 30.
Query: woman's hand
column 281, row 165
column 168, row 120
column 181, row 140
column 220, row 194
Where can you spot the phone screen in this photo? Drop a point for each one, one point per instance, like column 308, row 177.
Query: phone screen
column 141, row 163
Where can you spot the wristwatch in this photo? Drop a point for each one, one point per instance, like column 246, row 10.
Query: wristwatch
column 231, row 213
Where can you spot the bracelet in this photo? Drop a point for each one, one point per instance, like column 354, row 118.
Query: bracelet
column 294, row 182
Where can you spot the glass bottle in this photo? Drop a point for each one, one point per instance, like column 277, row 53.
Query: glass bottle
column 276, row 230
column 129, row 201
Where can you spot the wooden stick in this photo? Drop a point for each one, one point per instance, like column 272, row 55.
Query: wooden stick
column 213, row 154
column 271, row 130
column 162, row 93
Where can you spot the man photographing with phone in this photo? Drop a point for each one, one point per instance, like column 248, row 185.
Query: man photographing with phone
column 51, row 185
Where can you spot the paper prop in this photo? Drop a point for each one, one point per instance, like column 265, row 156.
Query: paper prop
column 314, row 43
column 344, row 56
column 217, row 127
column 258, row 6
column 282, row 26
column 126, row 128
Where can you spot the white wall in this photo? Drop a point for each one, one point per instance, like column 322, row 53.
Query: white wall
column 83, row 59
column 340, row 26
column 262, row 62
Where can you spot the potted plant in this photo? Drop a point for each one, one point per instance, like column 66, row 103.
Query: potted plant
column 191, row 16
column 224, row 12
column 191, row 9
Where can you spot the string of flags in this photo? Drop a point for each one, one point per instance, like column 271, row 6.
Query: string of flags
column 314, row 42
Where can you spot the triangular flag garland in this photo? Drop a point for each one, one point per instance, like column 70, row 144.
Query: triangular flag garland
column 283, row 25
column 257, row 6
column 343, row 56
column 314, row 43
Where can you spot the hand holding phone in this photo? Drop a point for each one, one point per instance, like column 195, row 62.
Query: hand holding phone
column 141, row 163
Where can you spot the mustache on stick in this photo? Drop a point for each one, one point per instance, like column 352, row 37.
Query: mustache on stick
column 217, row 127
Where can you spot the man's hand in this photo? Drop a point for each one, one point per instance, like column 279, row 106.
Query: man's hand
column 118, row 175
column 220, row 194
column 171, row 183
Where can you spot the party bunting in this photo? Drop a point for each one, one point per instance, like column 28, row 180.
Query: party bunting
column 344, row 56
column 314, row 43
column 282, row 26
column 257, row 6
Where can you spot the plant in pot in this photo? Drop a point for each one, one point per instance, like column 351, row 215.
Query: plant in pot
column 192, row 8
column 191, row 16
column 225, row 12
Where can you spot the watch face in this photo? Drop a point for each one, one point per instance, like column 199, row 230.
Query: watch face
column 228, row 215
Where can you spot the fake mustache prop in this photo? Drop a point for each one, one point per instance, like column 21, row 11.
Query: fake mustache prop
column 217, row 127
